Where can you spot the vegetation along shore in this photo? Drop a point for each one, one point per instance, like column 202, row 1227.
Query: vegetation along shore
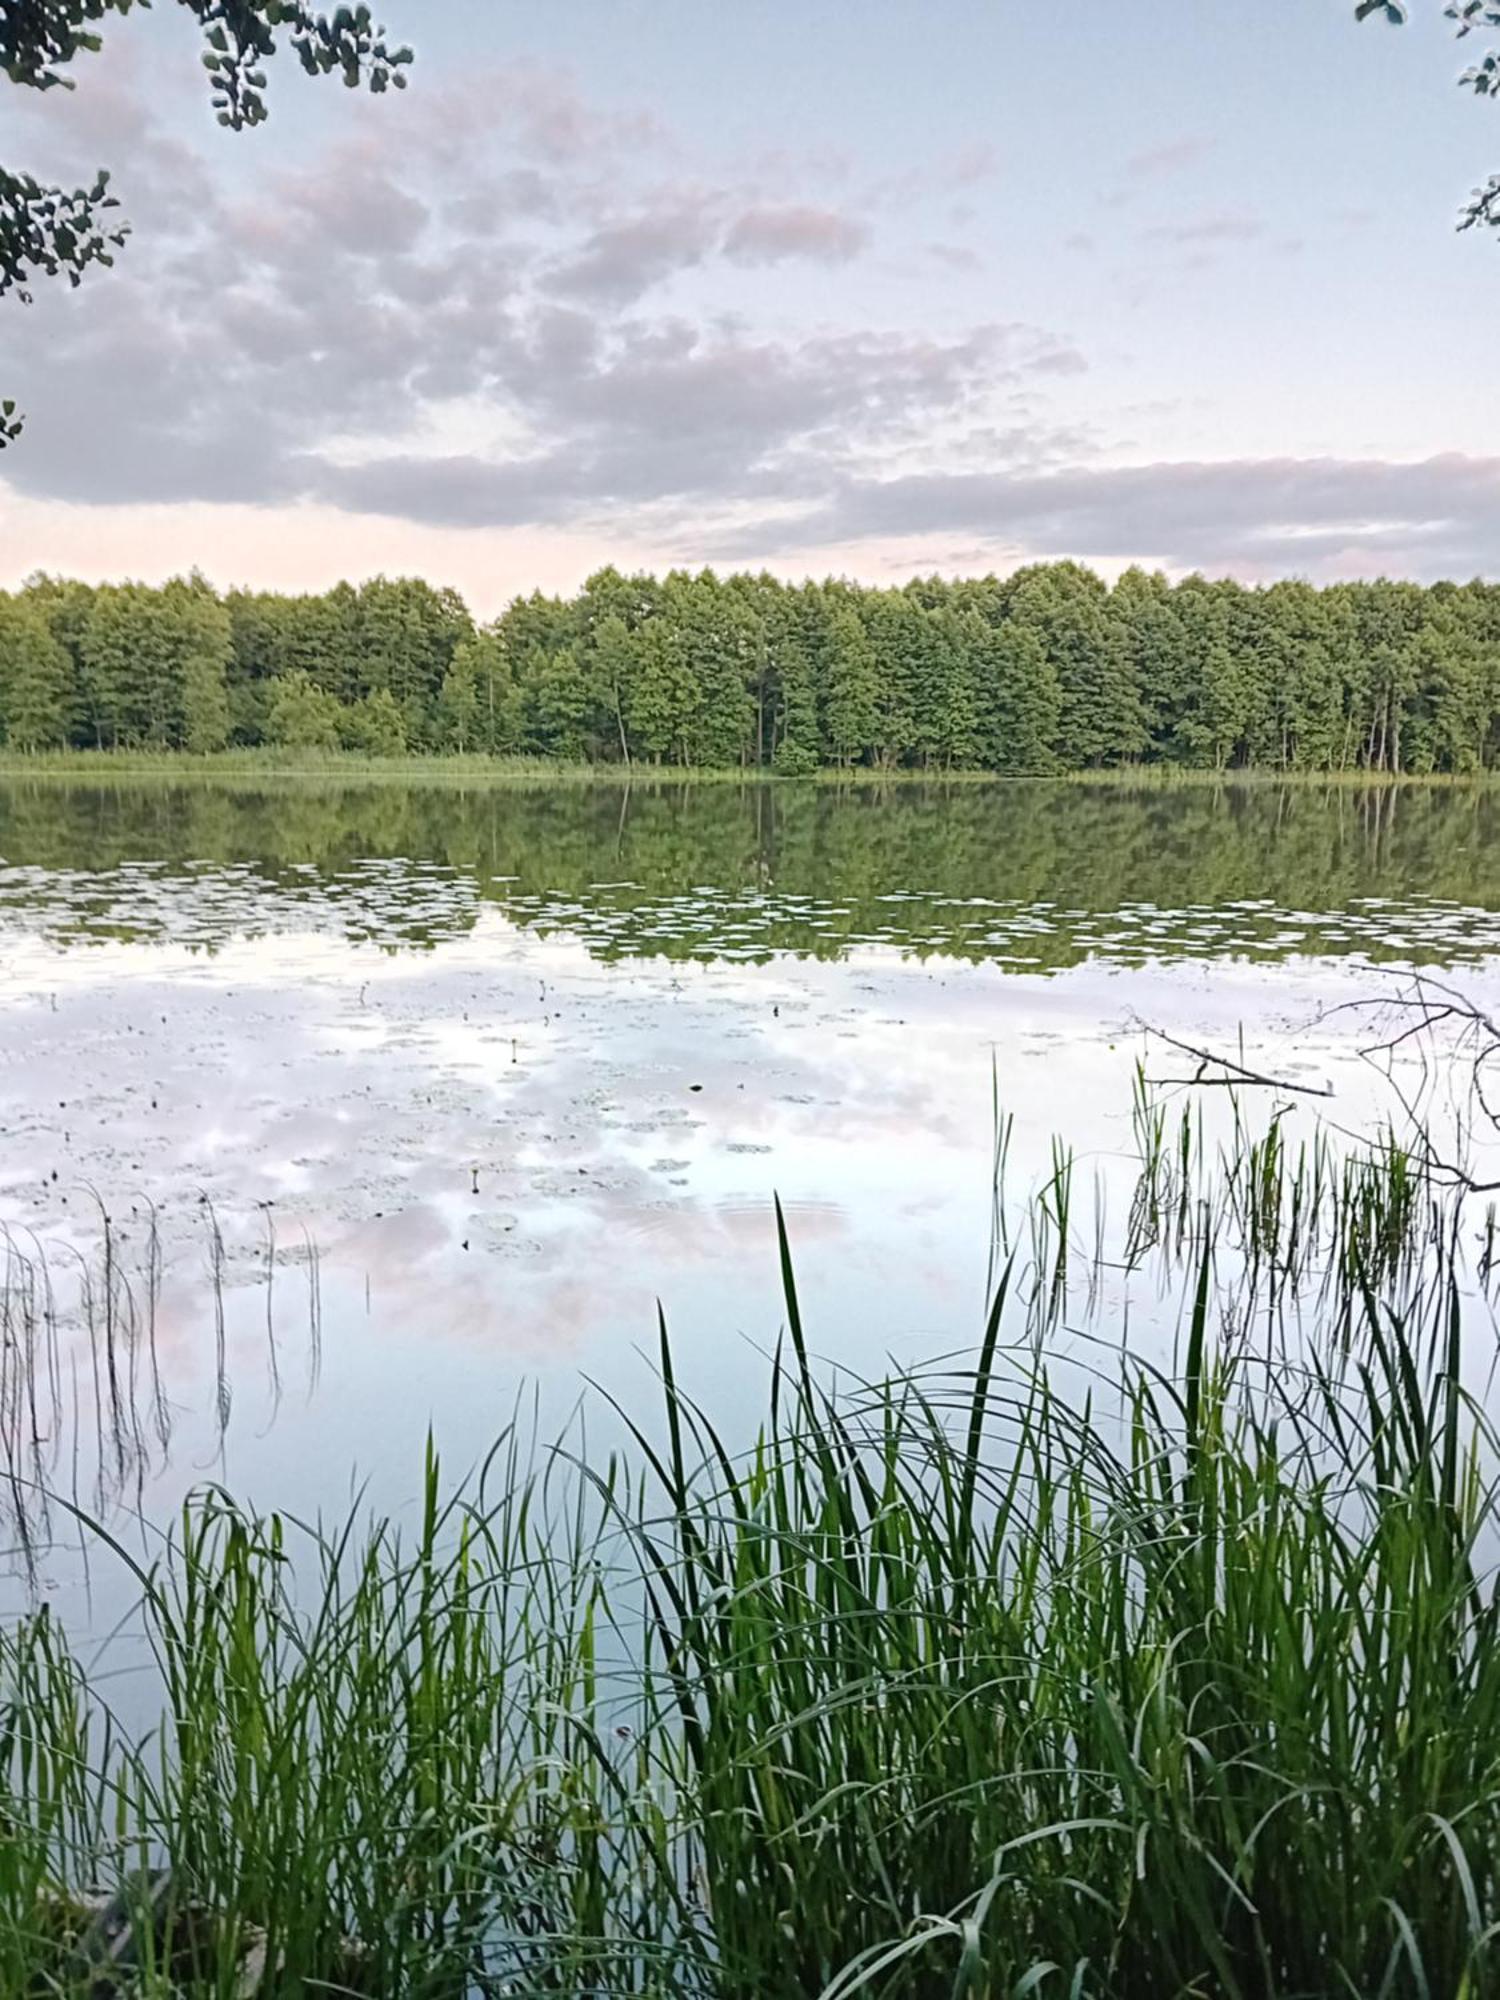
column 1046, row 671
column 1056, row 1669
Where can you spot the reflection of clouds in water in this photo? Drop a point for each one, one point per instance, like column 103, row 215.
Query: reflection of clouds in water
column 600, row 1137
column 599, row 1266
column 687, row 1231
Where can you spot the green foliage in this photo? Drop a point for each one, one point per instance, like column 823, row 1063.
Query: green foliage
column 303, row 717
column 204, row 648
column 52, row 231
column 1482, row 78
column 1100, row 721
column 1044, row 672
column 1037, row 1673
column 1020, row 699
column 794, row 760
column 375, row 726
column 852, row 694
column 1157, row 864
column 478, row 704
column 34, row 679
column 152, row 667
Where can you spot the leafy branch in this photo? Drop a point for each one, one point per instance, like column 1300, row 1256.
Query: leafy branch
column 52, row 231
column 39, row 38
column 1482, row 209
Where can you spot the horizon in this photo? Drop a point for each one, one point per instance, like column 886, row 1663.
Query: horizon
column 876, row 298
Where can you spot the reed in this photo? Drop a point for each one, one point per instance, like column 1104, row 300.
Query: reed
column 1052, row 1671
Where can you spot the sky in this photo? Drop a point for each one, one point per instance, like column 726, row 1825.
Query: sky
column 866, row 289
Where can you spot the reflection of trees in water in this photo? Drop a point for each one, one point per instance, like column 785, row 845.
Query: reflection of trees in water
column 549, row 855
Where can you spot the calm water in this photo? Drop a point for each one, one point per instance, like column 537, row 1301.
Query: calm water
column 399, row 1099
column 1044, row 876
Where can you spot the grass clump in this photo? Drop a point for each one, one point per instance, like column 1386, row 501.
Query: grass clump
column 1051, row 1672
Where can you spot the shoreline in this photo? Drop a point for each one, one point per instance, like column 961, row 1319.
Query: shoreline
column 259, row 765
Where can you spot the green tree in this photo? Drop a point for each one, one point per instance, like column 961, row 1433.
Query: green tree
column 202, row 638
column 1387, row 619
column 893, row 622
column 1215, row 702
column 1151, row 634
column 35, row 678
column 563, row 706
column 1449, row 711
column 66, row 605
column 853, row 707
column 459, row 700
column 663, row 697
column 1046, row 670
column 1019, row 698
column 948, row 725
column 788, row 725
column 719, row 638
column 408, row 634
column 375, row 726
column 1101, row 720
column 127, row 665
column 254, row 627
column 615, row 660
column 303, row 717
column 531, row 633
column 478, row 706
column 1304, row 687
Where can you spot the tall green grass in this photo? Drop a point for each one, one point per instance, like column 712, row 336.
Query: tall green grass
column 263, row 762
column 1050, row 1672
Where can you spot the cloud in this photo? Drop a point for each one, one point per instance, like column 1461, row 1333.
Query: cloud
column 774, row 235
column 1173, row 156
column 344, row 337
column 954, row 256
column 498, row 200
column 355, row 208
column 676, row 415
column 971, row 164
column 1199, row 231
column 544, row 117
column 625, row 259
column 622, row 260
column 1436, row 516
column 485, row 339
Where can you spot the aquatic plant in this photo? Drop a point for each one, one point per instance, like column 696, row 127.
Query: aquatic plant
column 1054, row 1670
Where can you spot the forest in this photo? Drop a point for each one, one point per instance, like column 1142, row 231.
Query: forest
column 1047, row 670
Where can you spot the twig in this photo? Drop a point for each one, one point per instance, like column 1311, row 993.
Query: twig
column 1239, row 1074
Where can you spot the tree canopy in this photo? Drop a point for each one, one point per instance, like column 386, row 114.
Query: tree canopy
column 1047, row 670
column 52, row 231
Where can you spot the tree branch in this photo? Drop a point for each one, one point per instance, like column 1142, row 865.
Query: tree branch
column 1482, row 77
column 1238, row 1074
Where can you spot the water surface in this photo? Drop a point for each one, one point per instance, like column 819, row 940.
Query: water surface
column 398, row 1097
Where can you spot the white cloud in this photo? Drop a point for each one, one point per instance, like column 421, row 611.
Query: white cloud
column 501, row 310
column 1434, row 517
column 774, row 235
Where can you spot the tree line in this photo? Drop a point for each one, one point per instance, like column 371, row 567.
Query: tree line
column 1046, row 670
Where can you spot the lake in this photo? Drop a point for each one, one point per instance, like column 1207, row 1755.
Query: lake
column 405, row 1100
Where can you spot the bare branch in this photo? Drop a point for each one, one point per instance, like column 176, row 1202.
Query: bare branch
column 1236, row 1073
